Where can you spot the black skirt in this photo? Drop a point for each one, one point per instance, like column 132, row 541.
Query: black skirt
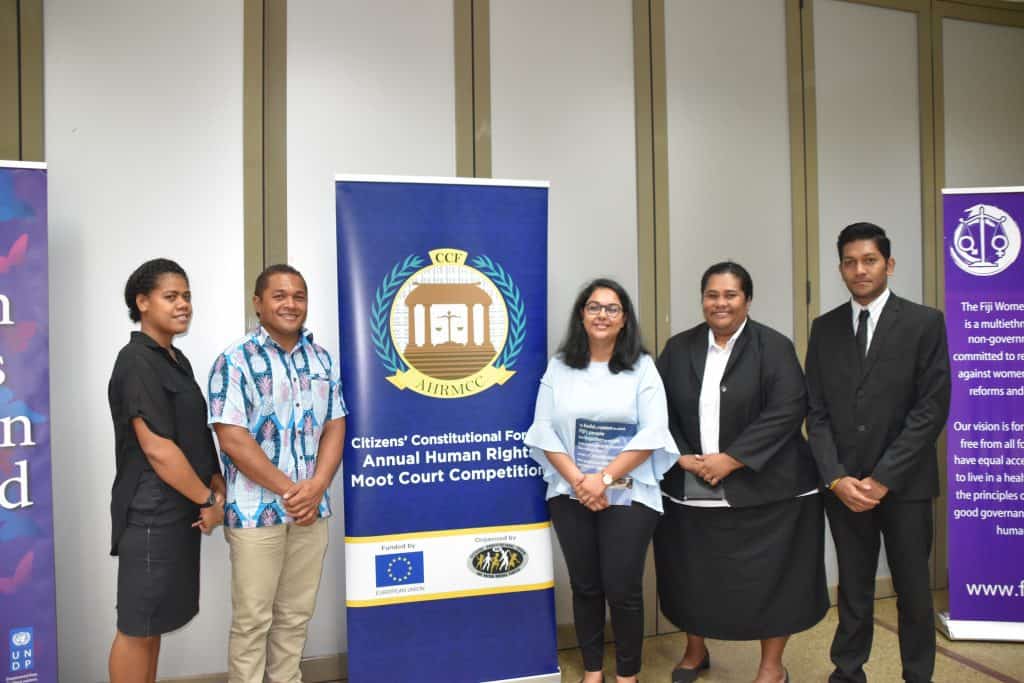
column 157, row 578
column 742, row 573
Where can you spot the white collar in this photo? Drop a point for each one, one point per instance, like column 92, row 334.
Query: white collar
column 732, row 340
column 874, row 308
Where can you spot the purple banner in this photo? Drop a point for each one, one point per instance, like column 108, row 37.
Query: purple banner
column 985, row 433
column 28, row 626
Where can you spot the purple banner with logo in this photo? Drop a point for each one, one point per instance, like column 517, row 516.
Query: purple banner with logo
column 27, row 595
column 985, row 433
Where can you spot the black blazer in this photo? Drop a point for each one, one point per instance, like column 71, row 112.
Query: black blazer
column 764, row 402
column 880, row 418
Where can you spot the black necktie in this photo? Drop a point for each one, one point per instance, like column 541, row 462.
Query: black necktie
column 862, row 333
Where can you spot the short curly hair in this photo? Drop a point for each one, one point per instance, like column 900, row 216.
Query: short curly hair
column 143, row 281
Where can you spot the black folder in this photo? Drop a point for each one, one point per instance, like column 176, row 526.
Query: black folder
column 696, row 488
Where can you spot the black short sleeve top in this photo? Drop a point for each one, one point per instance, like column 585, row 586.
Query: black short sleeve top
column 148, row 383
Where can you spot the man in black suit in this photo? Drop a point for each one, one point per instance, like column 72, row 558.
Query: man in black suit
column 878, row 390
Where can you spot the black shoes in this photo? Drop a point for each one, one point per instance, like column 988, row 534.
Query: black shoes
column 690, row 675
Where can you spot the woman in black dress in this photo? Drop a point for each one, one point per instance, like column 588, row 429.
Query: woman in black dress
column 740, row 550
column 168, row 487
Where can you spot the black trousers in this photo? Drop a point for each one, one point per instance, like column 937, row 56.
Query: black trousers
column 907, row 529
column 605, row 552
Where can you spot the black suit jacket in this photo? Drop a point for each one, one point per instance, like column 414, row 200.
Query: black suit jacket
column 763, row 405
column 880, row 417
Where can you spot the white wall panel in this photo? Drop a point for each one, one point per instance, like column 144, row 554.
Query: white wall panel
column 562, row 110
column 144, row 144
column 728, row 152
column 371, row 89
column 869, row 149
column 983, row 97
column 869, row 161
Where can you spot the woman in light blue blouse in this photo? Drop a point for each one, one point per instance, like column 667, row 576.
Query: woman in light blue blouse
column 601, row 434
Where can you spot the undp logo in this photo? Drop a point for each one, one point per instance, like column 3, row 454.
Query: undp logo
column 21, row 658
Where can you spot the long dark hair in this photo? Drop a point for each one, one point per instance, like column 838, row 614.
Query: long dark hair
column 575, row 348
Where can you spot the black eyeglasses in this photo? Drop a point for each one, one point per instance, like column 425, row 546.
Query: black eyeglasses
column 611, row 310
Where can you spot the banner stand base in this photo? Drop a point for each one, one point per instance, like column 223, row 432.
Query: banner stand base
column 555, row 677
column 964, row 629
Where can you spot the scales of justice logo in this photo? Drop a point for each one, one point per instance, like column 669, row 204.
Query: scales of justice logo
column 448, row 327
column 986, row 241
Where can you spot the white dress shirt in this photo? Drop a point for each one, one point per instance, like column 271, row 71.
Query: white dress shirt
column 874, row 310
column 710, row 402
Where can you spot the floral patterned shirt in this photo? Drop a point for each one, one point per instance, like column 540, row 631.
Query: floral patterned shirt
column 284, row 399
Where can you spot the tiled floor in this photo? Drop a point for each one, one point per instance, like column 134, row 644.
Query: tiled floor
column 807, row 656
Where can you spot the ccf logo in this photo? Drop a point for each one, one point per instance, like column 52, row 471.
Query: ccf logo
column 449, row 328
column 21, row 650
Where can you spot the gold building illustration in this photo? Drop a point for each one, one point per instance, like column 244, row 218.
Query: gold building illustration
column 449, row 329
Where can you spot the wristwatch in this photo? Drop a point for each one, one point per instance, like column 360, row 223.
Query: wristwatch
column 211, row 501
column 606, row 479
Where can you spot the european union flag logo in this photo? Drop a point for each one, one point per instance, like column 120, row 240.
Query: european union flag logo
column 399, row 569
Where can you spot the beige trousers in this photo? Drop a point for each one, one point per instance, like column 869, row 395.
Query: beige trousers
column 275, row 575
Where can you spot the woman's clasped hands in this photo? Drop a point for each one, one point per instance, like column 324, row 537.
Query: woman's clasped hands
column 589, row 490
column 713, row 468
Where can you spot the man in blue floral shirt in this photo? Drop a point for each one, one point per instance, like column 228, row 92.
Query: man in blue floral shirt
column 279, row 415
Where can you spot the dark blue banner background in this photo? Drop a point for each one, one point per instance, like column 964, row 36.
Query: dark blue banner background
column 380, row 225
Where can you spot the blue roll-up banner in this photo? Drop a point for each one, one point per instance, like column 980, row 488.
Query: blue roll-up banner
column 442, row 290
